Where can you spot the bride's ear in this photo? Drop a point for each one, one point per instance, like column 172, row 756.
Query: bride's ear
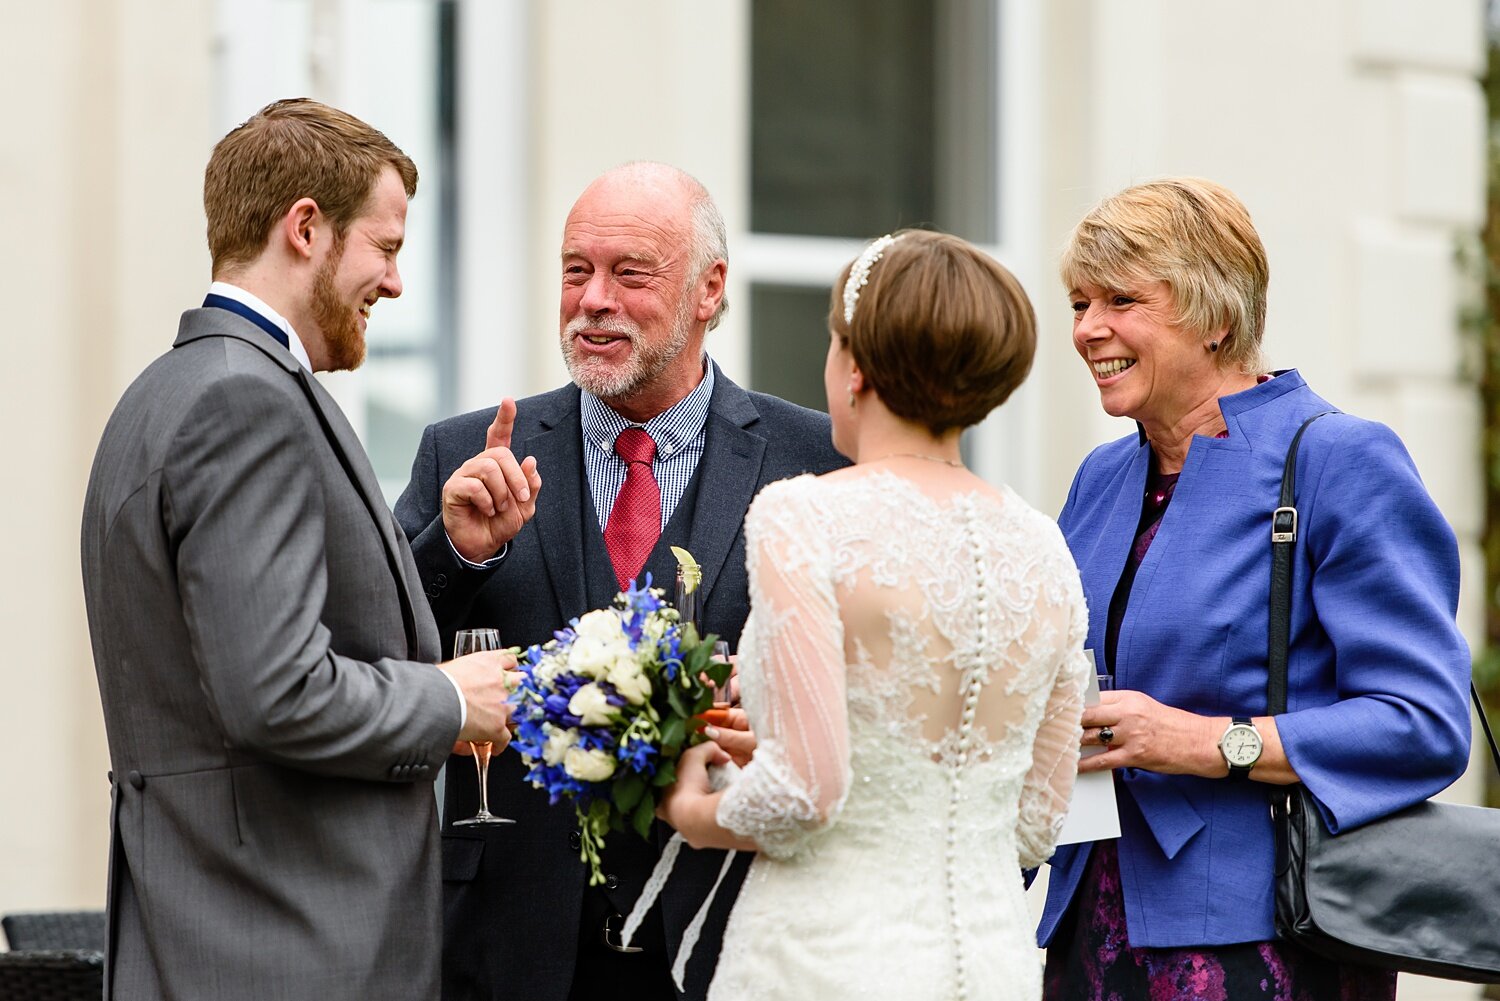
column 856, row 380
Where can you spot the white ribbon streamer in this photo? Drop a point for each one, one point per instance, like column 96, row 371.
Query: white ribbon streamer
column 652, row 890
column 718, row 778
column 695, row 927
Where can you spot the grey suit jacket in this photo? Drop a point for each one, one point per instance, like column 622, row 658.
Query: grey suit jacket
column 264, row 657
column 752, row 439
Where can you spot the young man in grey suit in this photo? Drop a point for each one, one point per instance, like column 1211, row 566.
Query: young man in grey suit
column 264, row 655
column 652, row 446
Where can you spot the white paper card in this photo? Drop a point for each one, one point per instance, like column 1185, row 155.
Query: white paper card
column 1093, row 814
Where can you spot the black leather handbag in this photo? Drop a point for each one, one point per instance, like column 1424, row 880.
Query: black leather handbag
column 1417, row 891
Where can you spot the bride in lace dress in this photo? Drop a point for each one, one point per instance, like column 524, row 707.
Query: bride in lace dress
column 912, row 667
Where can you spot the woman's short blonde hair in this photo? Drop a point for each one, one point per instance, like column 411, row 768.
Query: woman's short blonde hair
column 1195, row 236
column 942, row 331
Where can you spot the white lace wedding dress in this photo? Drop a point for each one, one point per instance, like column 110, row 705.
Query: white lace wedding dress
column 913, row 669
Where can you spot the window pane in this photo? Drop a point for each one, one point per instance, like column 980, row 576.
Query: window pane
column 401, row 400
column 870, row 115
column 402, row 101
column 841, row 116
column 789, row 342
column 410, row 372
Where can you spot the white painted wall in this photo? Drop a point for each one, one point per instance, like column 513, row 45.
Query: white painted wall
column 101, row 177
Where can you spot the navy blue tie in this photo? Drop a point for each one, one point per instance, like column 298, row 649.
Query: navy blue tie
column 213, row 301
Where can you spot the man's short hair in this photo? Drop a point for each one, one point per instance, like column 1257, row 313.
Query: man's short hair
column 292, row 149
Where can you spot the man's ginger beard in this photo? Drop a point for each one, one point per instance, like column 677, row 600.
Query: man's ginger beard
column 338, row 322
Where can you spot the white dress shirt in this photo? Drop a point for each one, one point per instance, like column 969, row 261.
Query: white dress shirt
column 294, row 343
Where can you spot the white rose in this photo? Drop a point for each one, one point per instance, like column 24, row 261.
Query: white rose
column 629, row 680
column 591, row 705
column 558, row 742
column 590, row 656
column 602, row 624
column 588, row 766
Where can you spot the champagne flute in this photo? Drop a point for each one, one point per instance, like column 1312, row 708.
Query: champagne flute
column 468, row 641
column 719, row 714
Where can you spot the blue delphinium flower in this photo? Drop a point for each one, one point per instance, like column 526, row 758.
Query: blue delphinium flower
column 639, row 755
column 629, row 667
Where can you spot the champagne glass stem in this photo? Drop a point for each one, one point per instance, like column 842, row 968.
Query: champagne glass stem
column 482, row 749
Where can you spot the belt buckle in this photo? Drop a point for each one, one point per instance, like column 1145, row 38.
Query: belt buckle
column 611, row 936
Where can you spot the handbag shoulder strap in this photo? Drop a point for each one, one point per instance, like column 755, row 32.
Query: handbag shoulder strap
column 1278, row 635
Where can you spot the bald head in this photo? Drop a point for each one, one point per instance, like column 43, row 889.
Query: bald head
column 676, row 199
column 643, row 275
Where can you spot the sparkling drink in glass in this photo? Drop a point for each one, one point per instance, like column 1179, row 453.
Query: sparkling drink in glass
column 468, row 641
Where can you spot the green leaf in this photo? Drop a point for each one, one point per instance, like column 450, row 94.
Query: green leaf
column 673, row 731
column 645, row 812
column 679, row 702
column 627, row 791
column 704, row 702
column 719, row 671
column 666, row 774
column 697, row 659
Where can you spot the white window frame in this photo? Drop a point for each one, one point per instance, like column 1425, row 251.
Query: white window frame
column 1005, row 447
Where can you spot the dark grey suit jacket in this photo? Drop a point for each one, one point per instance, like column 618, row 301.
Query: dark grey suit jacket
column 264, row 658
column 513, row 895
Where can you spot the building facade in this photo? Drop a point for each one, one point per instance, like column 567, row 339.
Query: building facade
column 1353, row 129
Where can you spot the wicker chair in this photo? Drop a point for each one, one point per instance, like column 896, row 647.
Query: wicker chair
column 57, row 930
column 56, row 956
column 52, row 975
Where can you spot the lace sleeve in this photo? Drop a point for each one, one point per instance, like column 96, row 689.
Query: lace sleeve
column 793, row 682
column 1054, row 753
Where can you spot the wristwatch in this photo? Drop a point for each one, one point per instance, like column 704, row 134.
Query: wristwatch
column 1241, row 746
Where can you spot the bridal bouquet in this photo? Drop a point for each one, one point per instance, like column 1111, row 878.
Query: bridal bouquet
column 608, row 705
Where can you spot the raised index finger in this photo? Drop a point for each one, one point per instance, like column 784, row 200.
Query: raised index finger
column 498, row 435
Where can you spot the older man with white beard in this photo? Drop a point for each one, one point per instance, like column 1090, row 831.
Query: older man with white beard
column 650, row 446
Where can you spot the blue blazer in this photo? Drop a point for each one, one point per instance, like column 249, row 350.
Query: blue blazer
column 1377, row 703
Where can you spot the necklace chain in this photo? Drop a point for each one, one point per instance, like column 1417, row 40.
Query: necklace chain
column 918, row 455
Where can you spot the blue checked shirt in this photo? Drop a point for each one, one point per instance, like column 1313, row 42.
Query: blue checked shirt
column 679, row 434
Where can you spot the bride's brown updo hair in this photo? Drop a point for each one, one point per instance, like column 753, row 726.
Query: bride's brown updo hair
column 942, row 331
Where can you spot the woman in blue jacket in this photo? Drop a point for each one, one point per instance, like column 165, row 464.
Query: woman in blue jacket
column 1171, row 531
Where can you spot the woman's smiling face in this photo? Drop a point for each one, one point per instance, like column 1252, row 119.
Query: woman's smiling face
column 1147, row 367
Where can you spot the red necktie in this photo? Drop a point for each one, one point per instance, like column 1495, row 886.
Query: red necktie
column 635, row 521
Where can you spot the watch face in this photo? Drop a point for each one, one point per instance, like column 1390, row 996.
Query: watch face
column 1241, row 746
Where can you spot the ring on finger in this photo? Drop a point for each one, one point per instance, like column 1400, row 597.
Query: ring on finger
column 1106, row 735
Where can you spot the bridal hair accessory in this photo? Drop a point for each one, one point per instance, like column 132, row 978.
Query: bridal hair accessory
column 859, row 273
